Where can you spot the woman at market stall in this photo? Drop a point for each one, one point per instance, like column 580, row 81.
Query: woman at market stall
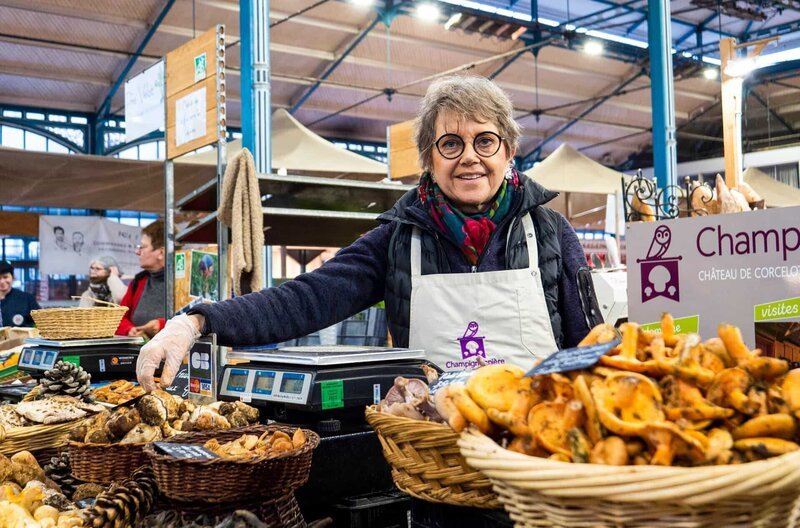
column 145, row 297
column 472, row 265
column 105, row 283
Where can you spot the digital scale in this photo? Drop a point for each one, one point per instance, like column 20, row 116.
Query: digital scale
column 323, row 387
column 611, row 289
column 104, row 359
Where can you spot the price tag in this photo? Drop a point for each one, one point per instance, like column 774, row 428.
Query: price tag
column 572, row 359
column 185, row 450
column 448, row 378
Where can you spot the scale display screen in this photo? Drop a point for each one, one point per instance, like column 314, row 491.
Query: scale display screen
column 264, row 382
column 237, row 381
column 49, row 358
column 292, row 383
column 37, row 357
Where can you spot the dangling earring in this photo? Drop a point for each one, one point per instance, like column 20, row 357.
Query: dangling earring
column 509, row 171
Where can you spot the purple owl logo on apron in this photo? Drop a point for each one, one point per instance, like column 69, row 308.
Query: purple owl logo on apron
column 471, row 342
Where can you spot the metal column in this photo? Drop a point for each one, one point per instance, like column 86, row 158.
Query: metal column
column 662, row 94
column 256, row 111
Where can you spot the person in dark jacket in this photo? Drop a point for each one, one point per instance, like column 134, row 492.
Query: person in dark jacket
column 145, row 297
column 15, row 305
column 471, row 264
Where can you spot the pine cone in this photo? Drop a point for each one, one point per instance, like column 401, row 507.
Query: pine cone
column 59, row 471
column 66, row 379
column 126, row 503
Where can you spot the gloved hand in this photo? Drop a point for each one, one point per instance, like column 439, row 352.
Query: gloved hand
column 169, row 345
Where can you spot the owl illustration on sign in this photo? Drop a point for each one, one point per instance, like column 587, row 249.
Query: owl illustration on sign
column 660, row 243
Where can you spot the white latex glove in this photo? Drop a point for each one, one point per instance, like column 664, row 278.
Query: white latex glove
column 170, row 345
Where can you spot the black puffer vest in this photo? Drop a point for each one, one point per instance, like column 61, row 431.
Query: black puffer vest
column 408, row 212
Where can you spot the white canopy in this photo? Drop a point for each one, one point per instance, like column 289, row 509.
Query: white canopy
column 774, row 193
column 567, row 170
column 299, row 150
column 583, row 183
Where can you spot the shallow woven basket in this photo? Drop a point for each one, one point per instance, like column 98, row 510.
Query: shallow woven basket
column 541, row 492
column 426, row 462
column 275, row 512
column 105, row 463
column 37, row 437
column 78, row 323
column 226, row 480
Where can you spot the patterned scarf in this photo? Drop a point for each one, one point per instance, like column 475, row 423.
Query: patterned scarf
column 471, row 232
column 101, row 291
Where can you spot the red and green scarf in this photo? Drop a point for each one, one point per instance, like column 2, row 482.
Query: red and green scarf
column 471, row 232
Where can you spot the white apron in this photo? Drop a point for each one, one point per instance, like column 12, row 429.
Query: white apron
column 500, row 316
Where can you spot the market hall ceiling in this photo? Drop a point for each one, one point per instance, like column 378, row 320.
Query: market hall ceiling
column 69, row 54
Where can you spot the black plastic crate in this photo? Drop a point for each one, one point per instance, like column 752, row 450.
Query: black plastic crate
column 388, row 509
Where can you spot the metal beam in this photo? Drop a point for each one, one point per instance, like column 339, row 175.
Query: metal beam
column 700, row 27
column 106, row 104
column 644, row 11
column 566, row 126
column 635, row 25
column 508, row 62
column 772, row 111
column 662, row 93
column 329, row 70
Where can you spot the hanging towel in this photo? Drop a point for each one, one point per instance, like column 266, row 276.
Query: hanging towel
column 240, row 209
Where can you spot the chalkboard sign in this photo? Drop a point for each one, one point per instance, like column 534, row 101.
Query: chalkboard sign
column 180, row 385
column 448, row 378
column 185, row 450
column 572, row 359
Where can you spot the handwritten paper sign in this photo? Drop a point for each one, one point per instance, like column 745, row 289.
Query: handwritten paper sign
column 572, row 359
column 190, row 117
column 144, row 102
column 448, row 378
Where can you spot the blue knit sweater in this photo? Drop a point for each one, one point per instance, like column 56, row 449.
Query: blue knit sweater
column 354, row 280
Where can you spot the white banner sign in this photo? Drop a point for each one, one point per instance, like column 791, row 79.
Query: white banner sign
column 67, row 244
column 742, row 269
column 144, row 102
column 190, row 117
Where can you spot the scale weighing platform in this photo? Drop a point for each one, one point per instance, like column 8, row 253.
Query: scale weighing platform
column 104, row 359
column 328, row 386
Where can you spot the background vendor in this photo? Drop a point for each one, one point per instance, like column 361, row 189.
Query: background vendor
column 15, row 305
column 145, row 297
column 471, row 264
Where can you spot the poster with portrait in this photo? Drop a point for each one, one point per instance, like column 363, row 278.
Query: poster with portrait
column 67, row 244
column 204, row 275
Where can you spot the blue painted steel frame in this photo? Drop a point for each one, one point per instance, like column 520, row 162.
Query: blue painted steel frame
column 106, row 105
column 662, row 94
column 569, row 124
column 246, row 75
column 335, row 64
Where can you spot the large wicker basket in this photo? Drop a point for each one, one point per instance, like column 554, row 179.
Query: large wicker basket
column 78, row 322
column 105, row 463
column 426, row 462
column 229, row 480
column 541, row 492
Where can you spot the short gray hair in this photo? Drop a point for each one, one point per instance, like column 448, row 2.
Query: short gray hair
column 106, row 261
column 468, row 97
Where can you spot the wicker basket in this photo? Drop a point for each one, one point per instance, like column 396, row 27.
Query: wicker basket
column 38, row 437
column 426, row 462
column 79, row 323
column 105, row 463
column 276, row 512
column 541, row 492
column 226, row 480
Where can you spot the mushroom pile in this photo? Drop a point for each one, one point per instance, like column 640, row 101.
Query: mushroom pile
column 656, row 398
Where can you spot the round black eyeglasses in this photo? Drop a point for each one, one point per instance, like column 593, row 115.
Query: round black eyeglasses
column 485, row 145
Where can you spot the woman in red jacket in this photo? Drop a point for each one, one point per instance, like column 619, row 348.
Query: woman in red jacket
column 145, row 297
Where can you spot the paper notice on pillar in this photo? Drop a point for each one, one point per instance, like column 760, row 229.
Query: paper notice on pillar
column 742, row 269
column 144, row 102
column 67, row 244
column 190, row 117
